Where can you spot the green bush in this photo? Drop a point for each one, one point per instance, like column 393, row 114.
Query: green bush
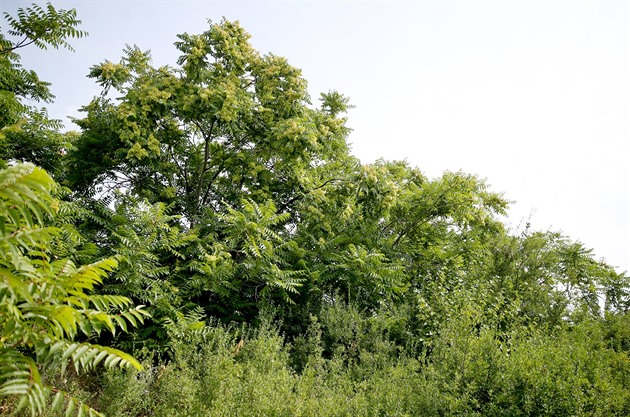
column 223, row 370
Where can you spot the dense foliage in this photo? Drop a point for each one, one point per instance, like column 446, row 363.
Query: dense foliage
column 280, row 276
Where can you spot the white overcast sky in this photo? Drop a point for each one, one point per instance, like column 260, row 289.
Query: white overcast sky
column 531, row 95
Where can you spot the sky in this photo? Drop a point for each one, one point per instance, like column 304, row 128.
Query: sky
column 531, row 95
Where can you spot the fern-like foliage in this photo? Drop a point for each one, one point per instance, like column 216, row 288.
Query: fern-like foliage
column 46, row 301
column 43, row 27
column 262, row 254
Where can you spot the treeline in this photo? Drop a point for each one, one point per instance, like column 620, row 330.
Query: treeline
column 209, row 220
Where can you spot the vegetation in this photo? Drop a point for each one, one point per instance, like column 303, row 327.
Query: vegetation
column 257, row 268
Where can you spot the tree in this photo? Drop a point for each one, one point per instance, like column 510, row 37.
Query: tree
column 386, row 229
column 229, row 143
column 26, row 132
column 227, row 125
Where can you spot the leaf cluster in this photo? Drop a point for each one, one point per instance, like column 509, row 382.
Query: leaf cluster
column 46, row 301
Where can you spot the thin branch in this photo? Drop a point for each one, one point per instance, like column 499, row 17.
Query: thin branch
column 18, row 45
